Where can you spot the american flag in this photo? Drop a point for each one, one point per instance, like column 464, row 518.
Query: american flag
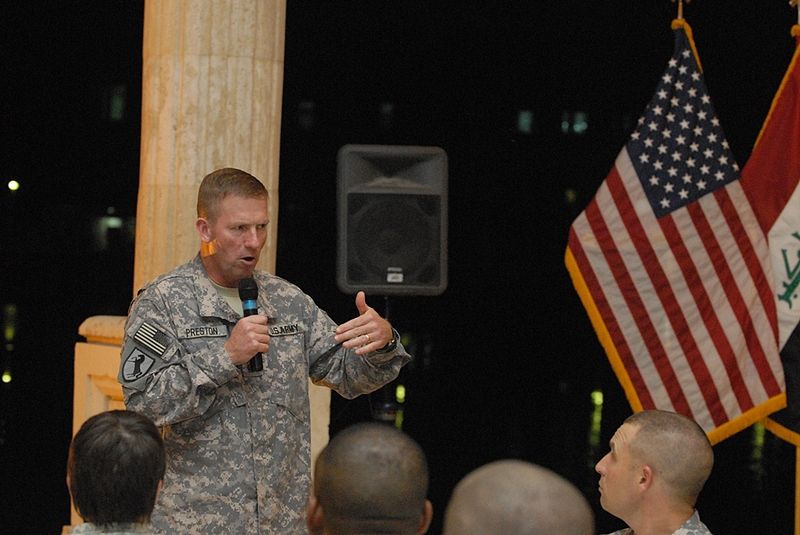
column 672, row 265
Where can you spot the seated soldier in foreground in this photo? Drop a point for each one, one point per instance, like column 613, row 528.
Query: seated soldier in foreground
column 115, row 467
column 370, row 478
column 657, row 466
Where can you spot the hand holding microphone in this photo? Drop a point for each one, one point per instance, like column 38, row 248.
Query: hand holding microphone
column 249, row 337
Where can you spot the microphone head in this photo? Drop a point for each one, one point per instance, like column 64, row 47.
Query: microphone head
column 248, row 289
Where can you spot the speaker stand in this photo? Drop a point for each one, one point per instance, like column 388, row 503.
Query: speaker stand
column 383, row 404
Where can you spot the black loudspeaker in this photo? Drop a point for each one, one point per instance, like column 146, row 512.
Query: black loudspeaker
column 392, row 220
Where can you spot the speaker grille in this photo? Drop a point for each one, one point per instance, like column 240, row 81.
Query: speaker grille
column 393, row 238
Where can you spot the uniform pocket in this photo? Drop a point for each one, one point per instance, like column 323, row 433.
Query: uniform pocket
column 205, row 428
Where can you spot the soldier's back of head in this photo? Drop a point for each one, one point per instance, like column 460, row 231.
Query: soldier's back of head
column 372, row 478
column 515, row 497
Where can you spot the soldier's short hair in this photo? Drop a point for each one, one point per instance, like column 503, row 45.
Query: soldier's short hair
column 516, row 497
column 677, row 447
column 371, row 476
column 223, row 182
column 116, row 461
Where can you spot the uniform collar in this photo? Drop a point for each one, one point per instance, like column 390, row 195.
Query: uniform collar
column 211, row 304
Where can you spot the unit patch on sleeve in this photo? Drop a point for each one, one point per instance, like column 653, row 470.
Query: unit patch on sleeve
column 136, row 365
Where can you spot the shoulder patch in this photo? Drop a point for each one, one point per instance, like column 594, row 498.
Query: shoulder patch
column 139, row 361
column 152, row 338
column 136, row 365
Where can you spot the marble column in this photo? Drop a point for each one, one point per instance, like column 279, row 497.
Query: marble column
column 211, row 97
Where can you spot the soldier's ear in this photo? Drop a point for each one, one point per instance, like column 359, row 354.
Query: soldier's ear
column 425, row 519
column 645, row 477
column 315, row 519
column 203, row 229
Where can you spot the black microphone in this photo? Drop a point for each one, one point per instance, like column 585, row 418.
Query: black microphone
column 248, row 293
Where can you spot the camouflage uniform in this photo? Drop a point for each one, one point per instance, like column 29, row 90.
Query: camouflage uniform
column 113, row 529
column 693, row 526
column 238, row 442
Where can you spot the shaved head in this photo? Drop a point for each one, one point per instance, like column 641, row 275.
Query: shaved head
column 676, row 447
column 517, row 498
column 371, row 478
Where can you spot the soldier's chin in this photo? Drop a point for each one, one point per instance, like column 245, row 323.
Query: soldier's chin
column 249, row 264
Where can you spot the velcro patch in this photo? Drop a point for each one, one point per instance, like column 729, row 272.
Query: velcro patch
column 136, row 365
column 284, row 330
column 205, row 331
column 152, row 338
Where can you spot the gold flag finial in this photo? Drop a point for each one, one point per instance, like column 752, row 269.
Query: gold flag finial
column 680, row 7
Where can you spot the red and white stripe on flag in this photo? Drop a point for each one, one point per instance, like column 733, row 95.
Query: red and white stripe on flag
column 672, row 265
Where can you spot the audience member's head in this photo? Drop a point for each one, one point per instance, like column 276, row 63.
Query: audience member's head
column 515, row 497
column 657, row 466
column 115, row 467
column 370, row 478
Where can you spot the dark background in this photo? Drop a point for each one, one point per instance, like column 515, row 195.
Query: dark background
column 505, row 358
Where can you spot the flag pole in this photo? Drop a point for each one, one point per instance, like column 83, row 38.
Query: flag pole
column 680, row 7
column 795, row 32
column 797, row 490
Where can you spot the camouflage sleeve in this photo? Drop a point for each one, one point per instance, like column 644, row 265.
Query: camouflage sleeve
column 161, row 377
column 341, row 369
